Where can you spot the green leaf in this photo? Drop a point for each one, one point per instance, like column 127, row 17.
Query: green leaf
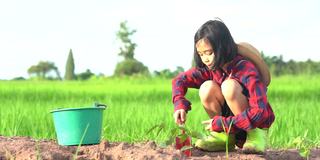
column 159, row 126
column 182, row 137
column 195, row 134
column 297, row 140
column 230, row 126
column 170, row 141
column 305, row 134
column 184, row 148
column 304, row 153
column 151, row 129
column 224, row 128
column 162, row 144
column 182, row 127
column 175, row 132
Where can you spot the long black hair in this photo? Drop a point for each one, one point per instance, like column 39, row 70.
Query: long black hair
column 222, row 43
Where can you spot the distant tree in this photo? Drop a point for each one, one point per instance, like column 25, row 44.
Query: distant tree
column 291, row 67
column 178, row 70
column 57, row 73
column 276, row 64
column 18, row 79
column 128, row 47
column 85, row 75
column 309, row 66
column 266, row 59
column 69, row 74
column 167, row 73
column 129, row 66
column 42, row 69
column 34, row 70
column 279, row 67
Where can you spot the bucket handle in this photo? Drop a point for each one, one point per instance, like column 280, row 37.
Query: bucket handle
column 100, row 105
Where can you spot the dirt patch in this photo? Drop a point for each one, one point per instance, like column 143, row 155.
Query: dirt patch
column 28, row 148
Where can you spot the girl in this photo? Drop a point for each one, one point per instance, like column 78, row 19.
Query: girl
column 231, row 89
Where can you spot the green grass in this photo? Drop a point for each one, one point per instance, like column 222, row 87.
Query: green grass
column 295, row 101
column 136, row 105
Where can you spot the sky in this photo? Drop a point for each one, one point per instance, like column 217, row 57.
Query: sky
column 45, row 30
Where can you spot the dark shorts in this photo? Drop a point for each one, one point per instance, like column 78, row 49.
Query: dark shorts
column 240, row 135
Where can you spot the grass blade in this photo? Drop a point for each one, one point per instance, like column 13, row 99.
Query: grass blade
column 84, row 133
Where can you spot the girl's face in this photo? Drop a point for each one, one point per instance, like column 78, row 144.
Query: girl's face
column 205, row 52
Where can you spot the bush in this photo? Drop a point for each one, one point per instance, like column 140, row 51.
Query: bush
column 18, row 79
column 130, row 67
column 84, row 75
column 167, row 73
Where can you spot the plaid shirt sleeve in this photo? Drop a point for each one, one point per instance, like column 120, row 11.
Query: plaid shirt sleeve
column 259, row 112
column 192, row 78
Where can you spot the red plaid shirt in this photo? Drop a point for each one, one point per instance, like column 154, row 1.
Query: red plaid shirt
column 259, row 112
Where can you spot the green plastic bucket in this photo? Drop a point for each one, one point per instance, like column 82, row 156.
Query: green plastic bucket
column 73, row 124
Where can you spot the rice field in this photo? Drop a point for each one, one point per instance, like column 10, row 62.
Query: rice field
column 136, row 105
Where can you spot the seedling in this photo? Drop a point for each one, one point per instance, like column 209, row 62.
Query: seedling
column 183, row 143
column 78, row 148
column 304, row 145
column 227, row 141
column 175, row 132
column 178, row 133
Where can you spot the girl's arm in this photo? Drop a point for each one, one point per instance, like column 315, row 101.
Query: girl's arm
column 192, row 78
column 252, row 54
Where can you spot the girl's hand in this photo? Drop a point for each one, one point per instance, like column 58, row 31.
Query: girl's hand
column 180, row 116
column 208, row 124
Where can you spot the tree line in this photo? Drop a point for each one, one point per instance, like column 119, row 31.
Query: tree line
column 130, row 66
column 279, row 67
column 43, row 71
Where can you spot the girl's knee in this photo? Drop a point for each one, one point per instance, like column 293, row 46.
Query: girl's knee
column 207, row 88
column 230, row 89
column 210, row 93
